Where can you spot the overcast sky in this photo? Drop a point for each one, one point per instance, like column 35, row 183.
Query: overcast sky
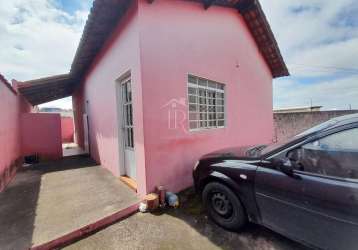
column 318, row 40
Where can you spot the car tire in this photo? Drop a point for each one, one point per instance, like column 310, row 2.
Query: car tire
column 223, row 206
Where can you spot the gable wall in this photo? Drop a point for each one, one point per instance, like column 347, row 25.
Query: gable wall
column 180, row 37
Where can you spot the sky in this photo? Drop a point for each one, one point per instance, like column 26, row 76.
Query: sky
column 318, row 40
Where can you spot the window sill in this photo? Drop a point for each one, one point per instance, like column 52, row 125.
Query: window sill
column 205, row 129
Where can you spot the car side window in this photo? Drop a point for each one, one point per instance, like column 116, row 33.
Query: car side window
column 334, row 155
column 346, row 140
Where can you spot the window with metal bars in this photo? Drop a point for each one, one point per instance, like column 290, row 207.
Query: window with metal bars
column 127, row 113
column 206, row 101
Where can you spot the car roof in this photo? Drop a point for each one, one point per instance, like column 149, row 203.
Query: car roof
column 330, row 124
column 345, row 119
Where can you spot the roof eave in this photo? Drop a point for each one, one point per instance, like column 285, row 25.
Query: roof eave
column 261, row 31
column 47, row 89
column 103, row 19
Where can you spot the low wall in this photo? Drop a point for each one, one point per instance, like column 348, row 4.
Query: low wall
column 12, row 106
column 291, row 124
column 67, row 129
column 41, row 134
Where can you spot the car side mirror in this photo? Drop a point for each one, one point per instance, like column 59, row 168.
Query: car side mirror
column 286, row 167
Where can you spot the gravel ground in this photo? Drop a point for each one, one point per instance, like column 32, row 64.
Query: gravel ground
column 184, row 228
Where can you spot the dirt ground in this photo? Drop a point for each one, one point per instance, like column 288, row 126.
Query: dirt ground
column 187, row 227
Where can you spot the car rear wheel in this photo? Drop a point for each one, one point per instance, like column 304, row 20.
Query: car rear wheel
column 223, row 206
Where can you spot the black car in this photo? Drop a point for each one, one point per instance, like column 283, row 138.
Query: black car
column 305, row 188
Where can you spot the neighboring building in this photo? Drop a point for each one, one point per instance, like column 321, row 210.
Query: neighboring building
column 50, row 110
column 289, row 124
column 298, row 109
column 62, row 112
column 157, row 84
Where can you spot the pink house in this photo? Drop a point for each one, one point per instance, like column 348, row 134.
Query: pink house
column 157, row 84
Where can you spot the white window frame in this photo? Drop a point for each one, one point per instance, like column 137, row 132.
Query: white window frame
column 206, row 104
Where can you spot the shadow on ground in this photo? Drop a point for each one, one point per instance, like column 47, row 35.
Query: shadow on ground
column 252, row 236
column 19, row 201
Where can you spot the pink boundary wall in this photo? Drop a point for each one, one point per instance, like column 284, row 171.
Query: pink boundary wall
column 23, row 133
column 67, row 129
column 161, row 43
column 12, row 106
column 41, row 134
column 88, row 229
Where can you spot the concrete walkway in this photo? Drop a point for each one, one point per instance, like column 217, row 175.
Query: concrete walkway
column 72, row 149
column 48, row 201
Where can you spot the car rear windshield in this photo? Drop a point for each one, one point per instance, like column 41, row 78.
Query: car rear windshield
column 319, row 127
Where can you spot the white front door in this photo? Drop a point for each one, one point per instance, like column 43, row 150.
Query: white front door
column 128, row 131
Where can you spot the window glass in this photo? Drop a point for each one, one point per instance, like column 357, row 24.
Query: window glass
column 334, row 155
column 346, row 140
column 192, row 79
column 206, row 103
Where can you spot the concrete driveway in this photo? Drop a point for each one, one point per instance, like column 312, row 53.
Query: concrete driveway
column 47, row 201
column 184, row 228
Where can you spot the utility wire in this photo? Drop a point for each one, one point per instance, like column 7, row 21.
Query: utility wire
column 326, row 69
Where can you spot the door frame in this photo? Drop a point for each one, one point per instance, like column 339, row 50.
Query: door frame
column 120, row 113
column 86, row 137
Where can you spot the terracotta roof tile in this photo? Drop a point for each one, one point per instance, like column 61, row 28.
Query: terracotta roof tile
column 104, row 17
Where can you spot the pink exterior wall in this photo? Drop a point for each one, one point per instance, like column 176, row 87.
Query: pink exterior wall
column 97, row 97
column 160, row 43
column 41, row 134
column 67, row 129
column 180, row 37
column 12, row 105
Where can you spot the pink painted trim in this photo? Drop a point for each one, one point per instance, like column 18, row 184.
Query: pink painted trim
column 86, row 230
